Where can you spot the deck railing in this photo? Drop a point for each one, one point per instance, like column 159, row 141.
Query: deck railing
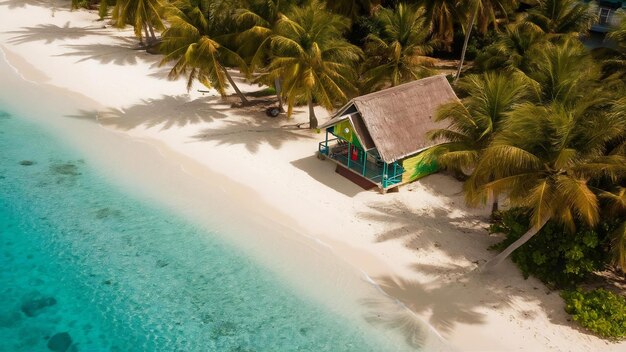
column 323, row 146
column 385, row 175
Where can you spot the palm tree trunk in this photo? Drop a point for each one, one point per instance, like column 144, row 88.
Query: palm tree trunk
column 103, row 9
column 244, row 101
column 146, row 35
column 495, row 261
column 466, row 41
column 279, row 95
column 153, row 37
column 312, row 118
column 494, row 206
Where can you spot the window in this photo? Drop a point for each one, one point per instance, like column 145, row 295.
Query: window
column 604, row 15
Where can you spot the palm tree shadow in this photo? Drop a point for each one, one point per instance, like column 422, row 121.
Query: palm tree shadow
column 124, row 51
column 252, row 134
column 465, row 297
column 49, row 33
column 167, row 112
column 428, row 229
column 386, row 313
column 14, row 4
column 447, row 304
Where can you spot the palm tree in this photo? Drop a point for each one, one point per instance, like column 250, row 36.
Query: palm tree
column 398, row 54
column 614, row 194
column 311, row 56
column 257, row 22
column 475, row 119
column 514, row 49
column 491, row 12
column 442, row 15
column 560, row 18
column 543, row 159
column 350, row 8
column 616, row 208
column 563, row 72
column 142, row 15
column 103, row 9
column 552, row 151
column 197, row 45
column 485, row 11
column 618, row 35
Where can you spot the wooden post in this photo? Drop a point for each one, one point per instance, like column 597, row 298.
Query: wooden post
column 326, row 143
column 384, row 179
column 364, row 161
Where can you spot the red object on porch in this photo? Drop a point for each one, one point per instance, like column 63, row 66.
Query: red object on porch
column 354, row 155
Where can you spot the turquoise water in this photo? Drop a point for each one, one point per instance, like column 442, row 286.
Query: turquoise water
column 81, row 259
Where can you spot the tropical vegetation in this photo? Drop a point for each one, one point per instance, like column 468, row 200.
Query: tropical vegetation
column 398, row 53
column 599, row 310
column 199, row 48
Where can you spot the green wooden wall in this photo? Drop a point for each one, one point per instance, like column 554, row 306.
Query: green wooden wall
column 340, row 131
column 416, row 167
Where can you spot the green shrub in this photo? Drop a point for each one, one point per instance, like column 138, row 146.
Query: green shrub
column 555, row 256
column 265, row 92
column 600, row 311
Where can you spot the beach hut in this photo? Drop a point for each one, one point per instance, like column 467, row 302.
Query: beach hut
column 376, row 139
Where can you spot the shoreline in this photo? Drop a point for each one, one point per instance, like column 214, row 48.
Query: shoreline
column 380, row 233
column 289, row 237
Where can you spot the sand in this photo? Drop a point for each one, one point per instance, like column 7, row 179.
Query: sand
column 420, row 245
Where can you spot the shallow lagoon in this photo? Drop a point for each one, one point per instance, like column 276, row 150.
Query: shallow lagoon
column 116, row 273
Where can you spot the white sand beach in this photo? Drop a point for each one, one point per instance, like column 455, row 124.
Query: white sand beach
column 420, row 244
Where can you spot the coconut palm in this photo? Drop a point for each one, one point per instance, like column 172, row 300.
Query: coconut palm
column 443, row 16
column 514, row 49
column 257, row 22
column 350, row 8
column 143, row 15
column 617, row 64
column 616, row 208
column 492, row 12
column 615, row 194
column 311, row 56
column 618, row 34
column 475, row 119
column 550, row 152
column 398, row 54
column 560, row 18
column 564, row 72
column 543, row 159
column 483, row 11
column 197, row 45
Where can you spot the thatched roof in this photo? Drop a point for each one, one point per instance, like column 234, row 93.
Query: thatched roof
column 397, row 119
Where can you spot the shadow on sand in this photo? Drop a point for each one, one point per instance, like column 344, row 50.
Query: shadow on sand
column 49, row 33
column 447, row 303
column 324, row 172
column 124, row 51
column 14, row 4
column 253, row 133
column 167, row 112
column 426, row 229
